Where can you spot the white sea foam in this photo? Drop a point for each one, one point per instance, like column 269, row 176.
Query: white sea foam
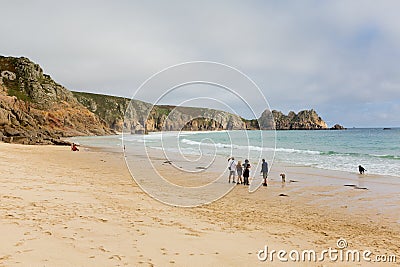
column 250, row 147
column 378, row 152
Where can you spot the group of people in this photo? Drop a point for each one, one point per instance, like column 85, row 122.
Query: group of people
column 239, row 169
column 244, row 169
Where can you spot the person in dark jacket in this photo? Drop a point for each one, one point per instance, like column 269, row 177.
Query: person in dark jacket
column 264, row 171
column 246, row 173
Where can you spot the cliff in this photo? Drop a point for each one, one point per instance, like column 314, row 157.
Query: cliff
column 171, row 118
column 144, row 117
column 34, row 109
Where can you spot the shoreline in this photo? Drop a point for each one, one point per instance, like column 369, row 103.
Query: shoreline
column 284, row 155
column 86, row 205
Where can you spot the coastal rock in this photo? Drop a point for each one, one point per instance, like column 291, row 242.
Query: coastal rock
column 111, row 109
column 144, row 117
column 36, row 110
column 338, row 127
column 304, row 120
column 266, row 121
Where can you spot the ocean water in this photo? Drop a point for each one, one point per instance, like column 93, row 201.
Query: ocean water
column 377, row 150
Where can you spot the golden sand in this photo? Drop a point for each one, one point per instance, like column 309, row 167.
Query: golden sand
column 63, row 208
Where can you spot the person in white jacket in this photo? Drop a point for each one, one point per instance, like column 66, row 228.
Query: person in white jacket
column 232, row 169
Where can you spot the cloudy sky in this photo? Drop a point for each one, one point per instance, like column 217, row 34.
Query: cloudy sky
column 339, row 57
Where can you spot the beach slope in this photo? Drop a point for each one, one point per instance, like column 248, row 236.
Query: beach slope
column 63, row 208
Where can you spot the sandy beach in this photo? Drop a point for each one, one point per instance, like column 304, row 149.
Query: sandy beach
column 63, row 208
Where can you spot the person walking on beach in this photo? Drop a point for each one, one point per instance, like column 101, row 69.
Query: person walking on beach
column 232, row 169
column 246, row 173
column 264, row 171
column 361, row 169
column 239, row 171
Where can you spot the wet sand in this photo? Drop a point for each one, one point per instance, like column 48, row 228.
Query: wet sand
column 63, row 208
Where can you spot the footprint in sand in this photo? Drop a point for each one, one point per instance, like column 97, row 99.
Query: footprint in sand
column 13, row 197
column 19, row 243
column 117, row 257
column 103, row 249
column 5, row 257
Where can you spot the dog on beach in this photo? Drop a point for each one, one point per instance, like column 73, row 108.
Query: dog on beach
column 283, row 177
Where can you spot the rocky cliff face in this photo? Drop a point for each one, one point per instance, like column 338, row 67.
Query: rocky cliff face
column 198, row 119
column 143, row 117
column 304, row 120
column 36, row 110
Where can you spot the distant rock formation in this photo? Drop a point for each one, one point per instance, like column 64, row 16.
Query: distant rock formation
column 338, row 127
column 36, row 110
column 304, row 120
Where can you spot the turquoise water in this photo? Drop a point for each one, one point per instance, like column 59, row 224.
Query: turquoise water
column 377, row 150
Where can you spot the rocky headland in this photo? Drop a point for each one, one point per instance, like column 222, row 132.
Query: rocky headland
column 34, row 109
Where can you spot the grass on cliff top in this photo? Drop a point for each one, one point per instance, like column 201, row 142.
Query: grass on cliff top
column 163, row 110
column 106, row 103
column 98, row 97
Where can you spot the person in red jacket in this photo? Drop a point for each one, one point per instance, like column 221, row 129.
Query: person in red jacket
column 74, row 147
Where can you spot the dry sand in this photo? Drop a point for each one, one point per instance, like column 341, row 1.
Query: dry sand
column 63, row 208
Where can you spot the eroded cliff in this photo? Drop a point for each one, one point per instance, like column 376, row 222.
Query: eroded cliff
column 34, row 109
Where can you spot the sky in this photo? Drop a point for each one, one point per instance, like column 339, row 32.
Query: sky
column 340, row 57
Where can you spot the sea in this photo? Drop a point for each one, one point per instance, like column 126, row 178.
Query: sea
column 376, row 149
